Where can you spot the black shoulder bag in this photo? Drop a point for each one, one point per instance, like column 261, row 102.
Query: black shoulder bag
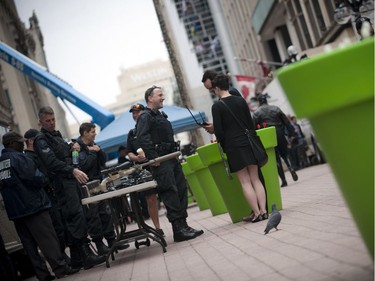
column 256, row 145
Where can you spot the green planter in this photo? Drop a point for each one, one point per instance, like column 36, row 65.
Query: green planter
column 231, row 189
column 211, row 192
column 269, row 171
column 335, row 91
column 195, row 187
column 190, row 197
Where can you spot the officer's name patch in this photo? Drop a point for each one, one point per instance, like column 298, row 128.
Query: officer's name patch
column 5, row 169
column 5, row 164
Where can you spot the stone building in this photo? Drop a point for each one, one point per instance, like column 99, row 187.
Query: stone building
column 21, row 97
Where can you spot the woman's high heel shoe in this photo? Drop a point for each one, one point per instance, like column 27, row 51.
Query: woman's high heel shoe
column 265, row 216
column 257, row 218
column 249, row 218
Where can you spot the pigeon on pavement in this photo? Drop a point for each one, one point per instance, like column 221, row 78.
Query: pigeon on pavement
column 273, row 220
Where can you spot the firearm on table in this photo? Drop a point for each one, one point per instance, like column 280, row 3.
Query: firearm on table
column 114, row 175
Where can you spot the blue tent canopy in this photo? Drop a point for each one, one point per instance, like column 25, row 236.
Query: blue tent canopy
column 116, row 133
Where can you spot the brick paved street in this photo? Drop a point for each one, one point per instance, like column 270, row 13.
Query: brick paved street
column 317, row 240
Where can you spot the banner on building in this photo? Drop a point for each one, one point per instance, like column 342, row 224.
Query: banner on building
column 247, row 86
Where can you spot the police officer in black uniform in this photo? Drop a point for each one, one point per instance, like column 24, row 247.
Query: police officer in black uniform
column 55, row 156
column 27, row 205
column 98, row 215
column 155, row 136
column 55, row 212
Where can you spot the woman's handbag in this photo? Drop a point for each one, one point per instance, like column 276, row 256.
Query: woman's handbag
column 257, row 147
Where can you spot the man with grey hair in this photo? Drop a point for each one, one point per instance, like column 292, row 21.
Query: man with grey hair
column 56, row 158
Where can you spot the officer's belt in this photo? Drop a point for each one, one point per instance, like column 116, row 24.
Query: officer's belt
column 167, row 147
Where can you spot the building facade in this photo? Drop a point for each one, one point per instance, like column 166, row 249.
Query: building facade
column 134, row 81
column 21, row 97
column 248, row 38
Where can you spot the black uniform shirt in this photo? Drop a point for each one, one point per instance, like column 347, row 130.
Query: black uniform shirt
column 153, row 128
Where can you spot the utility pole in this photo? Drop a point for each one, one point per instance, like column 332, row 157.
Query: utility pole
column 185, row 99
column 172, row 54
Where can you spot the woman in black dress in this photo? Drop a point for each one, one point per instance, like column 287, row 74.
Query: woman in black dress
column 236, row 145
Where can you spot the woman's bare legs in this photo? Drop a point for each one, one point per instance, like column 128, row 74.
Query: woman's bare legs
column 248, row 189
column 258, row 187
column 153, row 210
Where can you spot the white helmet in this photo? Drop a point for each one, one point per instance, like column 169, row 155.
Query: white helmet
column 292, row 50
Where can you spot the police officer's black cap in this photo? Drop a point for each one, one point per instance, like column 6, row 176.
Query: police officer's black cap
column 136, row 107
column 10, row 137
column 31, row 133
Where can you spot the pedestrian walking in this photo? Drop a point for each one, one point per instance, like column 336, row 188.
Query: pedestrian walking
column 272, row 116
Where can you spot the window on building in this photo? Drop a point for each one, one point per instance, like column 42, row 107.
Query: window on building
column 330, row 7
column 312, row 19
column 294, row 22
column 274, row 50
column 299, row 22
column 319, row 15
column 285, row 35
column 303, row 25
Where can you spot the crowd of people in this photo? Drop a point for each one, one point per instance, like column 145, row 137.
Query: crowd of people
column 46, row 205
column 49, row 173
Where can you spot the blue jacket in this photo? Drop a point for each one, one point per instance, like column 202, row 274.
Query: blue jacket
column 21, row 185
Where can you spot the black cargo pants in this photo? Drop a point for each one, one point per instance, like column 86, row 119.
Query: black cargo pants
column 172, row 188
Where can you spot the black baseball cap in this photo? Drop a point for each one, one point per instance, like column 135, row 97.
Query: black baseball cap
column 31, row 133
column 136, row 107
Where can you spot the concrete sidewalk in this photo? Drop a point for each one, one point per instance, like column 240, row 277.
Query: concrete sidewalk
column 317, row 240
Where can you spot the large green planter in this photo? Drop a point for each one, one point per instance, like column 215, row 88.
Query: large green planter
column 231, row 189
column 207, row 183
column 335, row 91
column 269, row 171
column 195, row 187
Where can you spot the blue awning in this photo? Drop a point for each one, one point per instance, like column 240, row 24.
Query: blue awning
column 116, row 133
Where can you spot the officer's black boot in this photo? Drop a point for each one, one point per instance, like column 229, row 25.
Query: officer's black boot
column 88, row 258
column 65, row 270
column 284, row 183
column 192, row 230
column 280, row 171
column 292, row 172
column 180, row 232
column 101, row 248
column 62, row 248
column 75, row 257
